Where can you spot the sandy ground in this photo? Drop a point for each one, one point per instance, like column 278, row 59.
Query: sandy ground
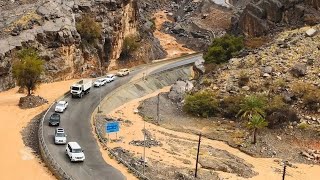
column 17, row 160
column 169, row 43
column 266, row 167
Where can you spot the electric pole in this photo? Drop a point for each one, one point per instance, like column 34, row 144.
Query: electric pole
column 158, row 109
column 144, row 145
column 195, row 175
column 284, row 169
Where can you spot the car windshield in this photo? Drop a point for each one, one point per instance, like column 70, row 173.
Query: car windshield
column 75, row 88
column 55, row 117
column 60, row 135
column 76, row 150
column 109, row 76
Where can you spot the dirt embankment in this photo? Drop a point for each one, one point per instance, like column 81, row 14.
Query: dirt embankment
column 18, row 160
column 176, row 151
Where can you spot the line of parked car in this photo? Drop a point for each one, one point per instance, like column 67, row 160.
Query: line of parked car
column 73, row 149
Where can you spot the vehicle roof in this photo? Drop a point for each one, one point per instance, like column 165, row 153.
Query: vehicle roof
column 123, row 69
column 55, row 114
column 110, row 75
column 60, row 129
column 74, row 145
column 61, row 102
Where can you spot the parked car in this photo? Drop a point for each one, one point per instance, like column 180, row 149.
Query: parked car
column 99, row 82
column 54, row 119
column 123, row 72
column 61, row 106
column 59, row 136
column 110, row 78
column 74, row 152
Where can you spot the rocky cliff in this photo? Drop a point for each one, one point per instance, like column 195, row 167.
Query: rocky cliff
column 50, row 27
column 261, row 17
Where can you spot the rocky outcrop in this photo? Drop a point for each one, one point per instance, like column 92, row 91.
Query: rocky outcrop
column 50, row 27
column 264, row 16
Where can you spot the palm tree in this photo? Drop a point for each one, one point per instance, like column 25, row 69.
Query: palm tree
column 256, row 122
column 252, row 105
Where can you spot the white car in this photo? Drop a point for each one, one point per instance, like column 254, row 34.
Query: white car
column 123, row 72
column 99, row 82
column 109, row 78
column 61, row 106
column 59, row 136
column 74, row 152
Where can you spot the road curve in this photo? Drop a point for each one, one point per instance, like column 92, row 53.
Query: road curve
column 76, row 122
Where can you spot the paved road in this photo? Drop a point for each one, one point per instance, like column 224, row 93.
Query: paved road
column 76, row 122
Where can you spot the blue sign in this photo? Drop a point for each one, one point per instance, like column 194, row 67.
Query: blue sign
column 112, row 127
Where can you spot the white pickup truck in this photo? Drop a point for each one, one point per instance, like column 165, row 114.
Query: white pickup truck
column 81, row 88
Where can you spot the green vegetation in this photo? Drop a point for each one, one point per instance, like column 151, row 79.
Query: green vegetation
column 27, row 69
column 88, row 29
column 223, row 48
column 252, row 105
column 256, row 122
column 231, row 105
column 130, row 44
column 202, row 103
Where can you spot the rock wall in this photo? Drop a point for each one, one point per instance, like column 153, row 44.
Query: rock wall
column 50, row 27
column 263, row 16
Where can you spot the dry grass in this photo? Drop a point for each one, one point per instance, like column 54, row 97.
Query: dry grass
column 256, row 42
column 23, row 20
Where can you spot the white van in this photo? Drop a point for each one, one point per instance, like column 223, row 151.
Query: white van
column 74, row 151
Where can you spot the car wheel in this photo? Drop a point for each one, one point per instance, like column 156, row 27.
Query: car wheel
column 58, row 124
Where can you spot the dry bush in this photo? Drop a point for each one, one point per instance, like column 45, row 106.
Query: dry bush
column 312, row 100
column 230, row 106
column 301, row 88
column 243, row 78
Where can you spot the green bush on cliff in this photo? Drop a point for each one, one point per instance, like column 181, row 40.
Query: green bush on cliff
column 89, row 29
column 130, row 44
column 202, row 103
column 223, row 48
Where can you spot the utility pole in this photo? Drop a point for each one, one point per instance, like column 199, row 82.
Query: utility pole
column 158, row 109
column 144, row 145
column 195, row 175
column 284, row 169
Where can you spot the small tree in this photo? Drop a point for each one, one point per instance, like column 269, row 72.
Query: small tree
column 130, row 44
column 27, row 69
column 256, row 122
column 222, row 49
column 252, row 105
column 89, row 29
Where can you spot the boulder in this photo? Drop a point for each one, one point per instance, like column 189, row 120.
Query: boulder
column 178, row 90
column 299, row 70
column 311, row 32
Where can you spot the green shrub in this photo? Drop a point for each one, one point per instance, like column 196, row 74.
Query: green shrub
column 223, row 48
column 303, row 125
column 130, row 44
column 202, row 103
column 89, row 29
column 230, row 105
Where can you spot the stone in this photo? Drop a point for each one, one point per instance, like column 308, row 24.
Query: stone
column 267, row 69
column 279, row 138
column 311, row 32
column 246, row 88
column 266, row 75
column 299, row 70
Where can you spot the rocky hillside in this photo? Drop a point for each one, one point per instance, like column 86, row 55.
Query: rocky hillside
column 288, row 66
column 50, row 27
column 262, row 17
